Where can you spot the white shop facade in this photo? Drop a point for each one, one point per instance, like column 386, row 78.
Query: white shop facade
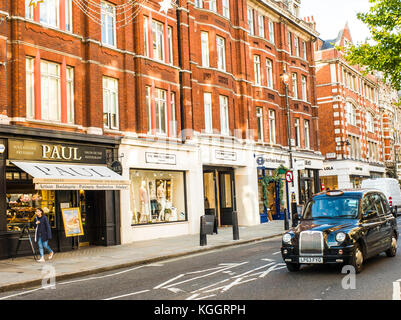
column 344, row 174
column 165, row 188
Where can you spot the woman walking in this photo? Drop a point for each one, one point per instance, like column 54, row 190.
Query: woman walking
column 43, row 234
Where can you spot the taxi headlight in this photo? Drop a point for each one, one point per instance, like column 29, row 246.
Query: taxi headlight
column 287, row 238
column 340, row 237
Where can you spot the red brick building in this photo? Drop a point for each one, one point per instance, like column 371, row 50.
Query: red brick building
column 349, row 117
column 212, row 68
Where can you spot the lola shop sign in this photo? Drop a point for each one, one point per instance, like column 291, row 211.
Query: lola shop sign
column 35, row 150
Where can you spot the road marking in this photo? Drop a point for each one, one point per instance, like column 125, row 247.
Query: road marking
column 207, row 275
column 262, row 267
column 211, row 285
column 276, row 253
column 235, row 283
column 171, row 280
column 212, row 295
column 26, row 292
column 79, row 280
column 175, row 290
column 273, row 268
column 127, row 295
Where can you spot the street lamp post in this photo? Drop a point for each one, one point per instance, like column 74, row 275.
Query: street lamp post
column 285, row 77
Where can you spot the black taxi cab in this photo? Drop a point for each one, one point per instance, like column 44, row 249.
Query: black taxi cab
column 341, row 227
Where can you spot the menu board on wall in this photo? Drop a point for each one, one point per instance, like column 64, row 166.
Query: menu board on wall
column 72, row 222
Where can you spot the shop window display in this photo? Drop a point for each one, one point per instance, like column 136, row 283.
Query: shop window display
column 21, row 208
column 157, row 196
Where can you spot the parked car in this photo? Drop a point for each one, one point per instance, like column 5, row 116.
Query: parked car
column 391, row 189
column 341, row 227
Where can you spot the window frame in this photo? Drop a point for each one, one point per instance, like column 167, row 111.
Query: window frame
column 48, row 78
column 113, row 90
column 257, row 69
column 272, row 126
column 205, row 52
column 259, row 119
column 105, row 6
column 221, row 53
column 208, row 112
column 224, row 116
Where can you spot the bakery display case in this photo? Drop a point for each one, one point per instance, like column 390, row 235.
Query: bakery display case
column 21, row 208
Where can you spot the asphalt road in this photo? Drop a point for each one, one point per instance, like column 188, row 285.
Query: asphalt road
column 248, row 272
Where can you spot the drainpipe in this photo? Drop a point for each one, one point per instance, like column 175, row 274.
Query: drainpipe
column 183, row 138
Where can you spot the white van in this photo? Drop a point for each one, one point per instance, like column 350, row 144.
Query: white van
column 390, row 187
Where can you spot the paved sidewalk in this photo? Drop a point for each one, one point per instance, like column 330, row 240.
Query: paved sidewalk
column 25, row 272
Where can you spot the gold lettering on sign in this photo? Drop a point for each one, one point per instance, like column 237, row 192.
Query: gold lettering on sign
column 45, row 151
column 59, row 152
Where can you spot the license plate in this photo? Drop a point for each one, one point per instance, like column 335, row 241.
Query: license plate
column 310, row 260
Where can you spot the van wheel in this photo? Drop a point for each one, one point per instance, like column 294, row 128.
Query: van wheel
column 293, row 267
column 357, row 258
column 392, row 252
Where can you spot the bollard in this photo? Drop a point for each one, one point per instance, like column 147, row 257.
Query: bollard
column 294, row 211
column 203, row 237
column 235, row 226
column 286, row 224
column 206, row 227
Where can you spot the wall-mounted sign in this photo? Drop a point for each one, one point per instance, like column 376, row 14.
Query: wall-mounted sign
column 47, row 151
column 332, row 155
column 260, row 161
column 226, row 155
column 117, row 167
column 160, row 158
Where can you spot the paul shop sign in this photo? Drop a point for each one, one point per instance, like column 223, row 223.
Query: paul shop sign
column 35, row 150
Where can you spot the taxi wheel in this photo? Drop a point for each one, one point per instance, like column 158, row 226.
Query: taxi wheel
column 393, row 249
column 293, row 267
column 357, row 258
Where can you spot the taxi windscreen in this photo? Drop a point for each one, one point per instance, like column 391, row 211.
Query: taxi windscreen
column 327, row 207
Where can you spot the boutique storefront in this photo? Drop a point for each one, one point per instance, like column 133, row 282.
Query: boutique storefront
column 348, row 174
column 60, row 177
column 164, row 182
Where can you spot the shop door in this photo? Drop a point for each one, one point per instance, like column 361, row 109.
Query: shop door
column 93, row 216
column 226, row 186
column 210, row 194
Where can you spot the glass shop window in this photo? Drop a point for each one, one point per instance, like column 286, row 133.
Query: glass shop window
column 157, row 197
column 21, row 207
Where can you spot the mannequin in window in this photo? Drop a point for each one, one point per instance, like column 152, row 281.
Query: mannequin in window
column 161, row 197
column 144, row 200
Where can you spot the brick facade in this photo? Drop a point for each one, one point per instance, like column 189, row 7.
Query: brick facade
column 349, row 112
column 135, row 70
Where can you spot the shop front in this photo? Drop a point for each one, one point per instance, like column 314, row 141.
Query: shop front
column 307, row 173
column 272, row 189
column 219, row 191
column 164, row 194
column 222, row 168
column 59, row 177
column 345, row 174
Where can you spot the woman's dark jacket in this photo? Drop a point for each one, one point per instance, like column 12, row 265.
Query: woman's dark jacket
column 43, row 229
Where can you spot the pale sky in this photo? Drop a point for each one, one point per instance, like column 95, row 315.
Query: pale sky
column 331, row 16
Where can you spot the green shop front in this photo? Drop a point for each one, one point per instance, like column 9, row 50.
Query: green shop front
column 271, row 187
column 56, row 174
